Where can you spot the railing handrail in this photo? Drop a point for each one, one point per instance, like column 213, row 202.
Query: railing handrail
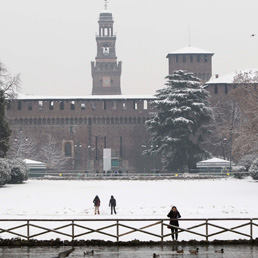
column 164, row 222
column 130, row 219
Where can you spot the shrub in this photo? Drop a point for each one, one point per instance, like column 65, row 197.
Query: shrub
column 247, row 161
column 5, row 173
column 19, row 171
column 253, row 170
column 237, row 171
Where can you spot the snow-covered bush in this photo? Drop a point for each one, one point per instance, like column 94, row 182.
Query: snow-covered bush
column 253, row 170
column 19, row 171
column 5, row 173
column 247, row 161
column 239, row 171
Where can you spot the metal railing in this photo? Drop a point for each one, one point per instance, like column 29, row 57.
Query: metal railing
column 78, row 228
column 91, row 174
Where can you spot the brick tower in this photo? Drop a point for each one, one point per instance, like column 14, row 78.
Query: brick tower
column 106, row 71
column 193, row 60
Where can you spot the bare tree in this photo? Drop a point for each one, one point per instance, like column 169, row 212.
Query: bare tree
column 22, row 147
column 51, row 154
column 246, row 97
column 9, row 84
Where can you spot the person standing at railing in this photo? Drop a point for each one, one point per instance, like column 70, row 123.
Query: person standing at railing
column 112, row 204
column 96, row 202
column 174, row 215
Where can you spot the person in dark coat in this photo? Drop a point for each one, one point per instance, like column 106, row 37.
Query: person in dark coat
column 112, row 204
column 174, row 215
column 96, row 202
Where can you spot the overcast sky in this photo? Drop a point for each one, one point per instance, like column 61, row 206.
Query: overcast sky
column 52, row 42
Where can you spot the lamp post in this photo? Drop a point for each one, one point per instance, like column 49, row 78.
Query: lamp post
column 88, row 163
column 77, row 148
column 143, row 147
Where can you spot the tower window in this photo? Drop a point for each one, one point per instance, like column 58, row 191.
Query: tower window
column 93, row 104
column 198, row 58
column 184, row 58
column 216, row 89
column 145, row 104
column 51, row 105
column 104, row 104
column 191, row 58
column 83, row 106
column 135, row 106
column 30, row 106
column 40, row 105
column 61, row 105
column 124, row 104
column 72, row 105
column 19, row 105
column 114, row 104
column 205, row 58
column 176, row 59
column 226, row 88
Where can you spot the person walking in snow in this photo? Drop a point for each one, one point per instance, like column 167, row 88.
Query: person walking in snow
column 96, row 202
column 174, row 215
column 112, row 204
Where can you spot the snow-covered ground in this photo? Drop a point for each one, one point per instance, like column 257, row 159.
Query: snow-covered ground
column 220, row 198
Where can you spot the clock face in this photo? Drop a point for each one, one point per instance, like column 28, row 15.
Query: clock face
column 106, row 81
column 106, row 51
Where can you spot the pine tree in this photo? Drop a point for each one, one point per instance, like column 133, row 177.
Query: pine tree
column 5, row 131
column 182, row 109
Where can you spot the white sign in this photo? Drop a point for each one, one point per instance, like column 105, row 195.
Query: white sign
column 106, row 159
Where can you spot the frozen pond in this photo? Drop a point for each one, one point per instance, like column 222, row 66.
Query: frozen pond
column 239, row 251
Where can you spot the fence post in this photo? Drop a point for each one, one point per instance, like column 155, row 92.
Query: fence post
column 117, row 230
column 72, row 229
column 207, row 230
column 162, row 230
column 251, row 229
column 28, row 230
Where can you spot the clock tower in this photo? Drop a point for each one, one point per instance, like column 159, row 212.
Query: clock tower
column 106, row 71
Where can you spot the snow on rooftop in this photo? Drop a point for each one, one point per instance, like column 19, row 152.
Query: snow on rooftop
column 214, row 160
column 29, row 161
column 87, row 97
column 191, row 50
column 229, row 78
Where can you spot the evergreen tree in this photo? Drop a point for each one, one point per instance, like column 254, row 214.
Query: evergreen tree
column 5, row 131
column 178, row 126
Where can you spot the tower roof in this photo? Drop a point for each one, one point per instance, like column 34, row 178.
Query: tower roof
column 105, row 15
column 191, row 50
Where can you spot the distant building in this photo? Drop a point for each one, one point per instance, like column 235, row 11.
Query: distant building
column 191, row 59
column 84, row 126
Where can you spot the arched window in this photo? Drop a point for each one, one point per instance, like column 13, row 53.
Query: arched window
column 68, row 149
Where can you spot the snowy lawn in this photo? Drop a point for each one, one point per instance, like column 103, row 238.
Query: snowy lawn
column 46, row 199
